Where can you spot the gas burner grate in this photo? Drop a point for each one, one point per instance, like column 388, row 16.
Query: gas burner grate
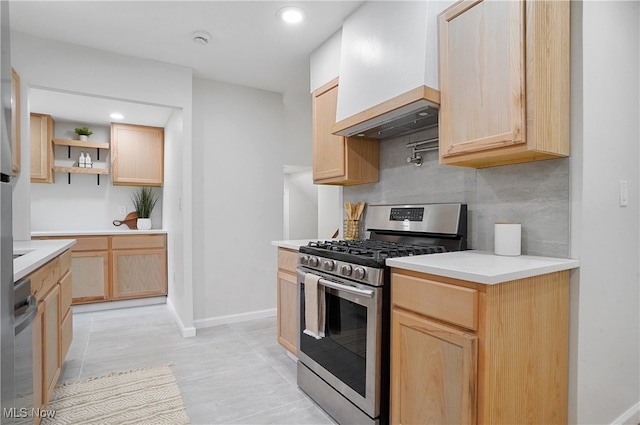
column 378, row 250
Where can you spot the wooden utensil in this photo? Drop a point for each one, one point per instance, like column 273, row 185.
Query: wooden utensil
column 359, row 210
column 130, row 220
column 347, row 208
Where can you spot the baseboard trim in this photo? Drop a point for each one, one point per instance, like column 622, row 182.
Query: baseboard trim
column 234, row 318
column 186, row 331
column 112, row 305
column 630, row 417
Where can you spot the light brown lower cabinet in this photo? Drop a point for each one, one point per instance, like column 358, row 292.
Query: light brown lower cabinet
column 139, row 273
column 448, row 357
column 52, row 328
column 37, row 327
column 287, row 299
column 115, row 267
column 51, row 339
column 91, row 269
column 138, row 266
column 467, row 353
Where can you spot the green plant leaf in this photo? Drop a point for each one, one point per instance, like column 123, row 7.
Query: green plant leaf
column 144, row 200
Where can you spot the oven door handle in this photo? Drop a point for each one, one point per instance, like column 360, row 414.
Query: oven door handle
column 346, row 288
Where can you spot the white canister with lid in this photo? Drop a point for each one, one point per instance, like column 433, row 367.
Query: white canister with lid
column 508, row 238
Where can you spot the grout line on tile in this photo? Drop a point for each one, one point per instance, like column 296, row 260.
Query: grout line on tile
column 243, row 419
column 86, row 348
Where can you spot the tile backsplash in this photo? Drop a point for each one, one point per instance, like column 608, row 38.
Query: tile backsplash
column 535, row 194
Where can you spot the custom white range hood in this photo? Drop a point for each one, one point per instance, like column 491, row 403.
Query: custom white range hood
column 389, row 69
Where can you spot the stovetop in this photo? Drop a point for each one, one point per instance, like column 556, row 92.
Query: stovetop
column 367, row 252
column 394, row 231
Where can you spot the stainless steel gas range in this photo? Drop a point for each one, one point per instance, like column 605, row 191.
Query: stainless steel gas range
column 345, row 366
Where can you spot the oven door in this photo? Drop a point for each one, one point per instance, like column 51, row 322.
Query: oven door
column 348, row 357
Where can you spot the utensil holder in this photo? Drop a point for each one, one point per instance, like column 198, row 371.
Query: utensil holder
column 351, row 229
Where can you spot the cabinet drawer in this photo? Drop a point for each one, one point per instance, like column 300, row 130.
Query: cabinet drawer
column 453, row 304
column 64, row 263
column 43, row 279
column 138, row 241
column 91, row 244
column 287, row 259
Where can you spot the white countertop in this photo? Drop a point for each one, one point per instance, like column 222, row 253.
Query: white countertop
column 292, row 244
column 482, row 266
column 125, row 231
column 36, row 254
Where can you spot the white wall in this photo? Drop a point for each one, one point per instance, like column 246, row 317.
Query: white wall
column 325, row 61
column 605, row 341
column 303, row 205
column 297, row 129
column 48, row 64
column 180, row 296
column 330, row 211
column 237, row 200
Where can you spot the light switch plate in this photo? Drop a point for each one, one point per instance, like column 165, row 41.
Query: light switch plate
column 624, row 193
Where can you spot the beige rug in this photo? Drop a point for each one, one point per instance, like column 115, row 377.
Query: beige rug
column 143, row 396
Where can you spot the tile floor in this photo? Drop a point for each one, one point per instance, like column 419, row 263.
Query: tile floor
column 228, row 374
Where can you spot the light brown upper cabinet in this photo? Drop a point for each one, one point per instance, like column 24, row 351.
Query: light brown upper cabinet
column 339, row 160
column 41, row 148
column 15, row 122
column 504, row 82
column 137, row 155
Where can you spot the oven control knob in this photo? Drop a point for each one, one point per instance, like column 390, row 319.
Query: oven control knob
column 329, row 265
column 360, row 273
column 313, row 261
column 345, row 270
column 304, row 260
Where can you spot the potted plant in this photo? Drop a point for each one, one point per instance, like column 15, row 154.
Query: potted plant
column 83, row 132
column 144, row 200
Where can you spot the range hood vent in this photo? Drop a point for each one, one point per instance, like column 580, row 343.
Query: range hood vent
column 409, row 112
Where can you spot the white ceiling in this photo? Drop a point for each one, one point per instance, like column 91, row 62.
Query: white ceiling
column 249, row 46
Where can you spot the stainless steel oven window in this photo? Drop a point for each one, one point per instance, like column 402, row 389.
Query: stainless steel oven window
column 349, row 356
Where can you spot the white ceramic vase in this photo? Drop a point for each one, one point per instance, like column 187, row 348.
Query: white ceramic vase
column 84, row 138
column 144, row 224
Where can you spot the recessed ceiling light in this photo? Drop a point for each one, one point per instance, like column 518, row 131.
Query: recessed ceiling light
column 291, row 14
column 201, row 37
column 116, row 116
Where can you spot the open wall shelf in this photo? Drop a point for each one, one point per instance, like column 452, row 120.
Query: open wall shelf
column 69, row 143
column 81, row 144
column 79, row 170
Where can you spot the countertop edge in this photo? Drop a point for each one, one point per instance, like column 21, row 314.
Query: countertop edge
column 59, row 233
column 294, row 244
column 41, row 253
column 433, row 264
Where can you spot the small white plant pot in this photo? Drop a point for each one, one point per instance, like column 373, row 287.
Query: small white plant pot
column 84, row 138
column 144, row 224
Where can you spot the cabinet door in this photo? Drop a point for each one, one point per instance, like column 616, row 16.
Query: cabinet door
column 433, row 372
column 66, row 324
column 336, row 159
column 288, row 311
column 41, row 148
column 139, row 273
column 38, row 358
column 482, row 79
column 328, row 150
column 137, row 155
column 51, row 339
column 90, row 276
